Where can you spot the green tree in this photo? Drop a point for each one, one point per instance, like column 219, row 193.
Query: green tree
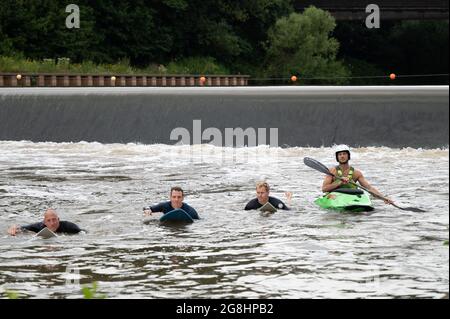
column 402, row 47
column 37, row 29
column 131, row 30
column 144, row 32
column 419, row 47
column 301, row 44
column 232, row 32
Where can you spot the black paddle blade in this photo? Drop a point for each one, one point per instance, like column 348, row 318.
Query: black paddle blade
column 318, row 166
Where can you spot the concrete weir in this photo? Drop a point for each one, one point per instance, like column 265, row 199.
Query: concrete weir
column 388, row 116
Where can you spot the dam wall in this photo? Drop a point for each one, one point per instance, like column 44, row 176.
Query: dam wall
column 233, row 116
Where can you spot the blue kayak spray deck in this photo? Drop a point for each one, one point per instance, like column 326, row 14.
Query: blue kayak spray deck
column 177, row 215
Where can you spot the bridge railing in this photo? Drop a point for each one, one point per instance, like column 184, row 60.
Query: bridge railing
column 358, row 4
column 391, row 10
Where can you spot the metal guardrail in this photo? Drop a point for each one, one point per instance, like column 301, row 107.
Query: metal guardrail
column 96, row 80
column 357, row 4
column 391, row 9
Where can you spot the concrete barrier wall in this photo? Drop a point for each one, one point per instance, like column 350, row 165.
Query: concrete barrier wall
column 301, row 116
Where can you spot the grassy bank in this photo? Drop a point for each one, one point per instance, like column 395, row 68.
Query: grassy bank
column 196, row 65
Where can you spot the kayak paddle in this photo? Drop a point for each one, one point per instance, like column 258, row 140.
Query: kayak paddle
column 322, row 168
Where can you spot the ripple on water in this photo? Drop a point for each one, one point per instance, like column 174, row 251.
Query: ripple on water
column 229, row 253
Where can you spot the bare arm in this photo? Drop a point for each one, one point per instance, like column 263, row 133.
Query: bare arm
column 360, row 178
column 148, row 211
column 328, row 184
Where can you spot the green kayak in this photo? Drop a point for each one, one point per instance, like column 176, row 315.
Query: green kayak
column 346, row 199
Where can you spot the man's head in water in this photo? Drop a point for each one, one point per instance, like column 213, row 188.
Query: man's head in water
column 51, row 220
column 176, row 197
column 262, row 192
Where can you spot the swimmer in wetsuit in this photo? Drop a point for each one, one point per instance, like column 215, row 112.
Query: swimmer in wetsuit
column 51, row 221
column 262, row 193
column 176, row 202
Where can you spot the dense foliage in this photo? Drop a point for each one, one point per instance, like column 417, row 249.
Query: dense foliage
column 263, row 38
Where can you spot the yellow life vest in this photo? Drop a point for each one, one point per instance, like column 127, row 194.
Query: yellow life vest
column 351, row 171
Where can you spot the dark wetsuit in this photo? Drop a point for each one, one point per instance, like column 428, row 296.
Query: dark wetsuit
column 278, row 204
column 167, row 207
column 64, row 227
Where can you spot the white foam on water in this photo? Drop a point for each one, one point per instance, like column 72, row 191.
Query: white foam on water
column 305, row 252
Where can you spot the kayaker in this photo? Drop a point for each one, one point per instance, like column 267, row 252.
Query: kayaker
column 176, row 202
column 262, row 197
column 51, row 221
column 347, row 173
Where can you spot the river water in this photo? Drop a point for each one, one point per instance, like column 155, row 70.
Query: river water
column 229, row 253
